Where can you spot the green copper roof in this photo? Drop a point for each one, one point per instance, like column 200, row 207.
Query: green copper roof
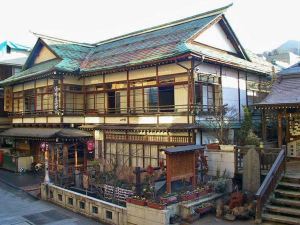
column 38, row 69
column 156, row 43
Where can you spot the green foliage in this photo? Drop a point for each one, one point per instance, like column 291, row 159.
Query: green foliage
column 246, row 136
column 252, row 139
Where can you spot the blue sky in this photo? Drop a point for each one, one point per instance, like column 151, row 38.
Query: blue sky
column 259, row 24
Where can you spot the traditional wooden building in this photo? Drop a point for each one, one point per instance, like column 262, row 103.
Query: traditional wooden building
column 140, row 92
column 282, row 105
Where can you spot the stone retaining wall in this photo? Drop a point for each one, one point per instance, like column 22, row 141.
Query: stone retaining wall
column 143, row 215
column 91, row 207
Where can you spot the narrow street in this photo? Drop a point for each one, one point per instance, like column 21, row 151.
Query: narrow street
column 18, row 208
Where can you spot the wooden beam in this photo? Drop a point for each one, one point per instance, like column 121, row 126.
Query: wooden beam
column 169, row 184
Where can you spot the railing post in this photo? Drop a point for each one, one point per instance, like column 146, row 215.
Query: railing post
column 258, row 211
column 284, row 147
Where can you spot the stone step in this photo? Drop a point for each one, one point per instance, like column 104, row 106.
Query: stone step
column 291, row 179
column 272, row 223
column 280, row 219
column 283, row 210
column 289, row 185
column 284, row 201
column 288, row 193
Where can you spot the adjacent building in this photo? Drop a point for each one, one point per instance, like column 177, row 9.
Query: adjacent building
column 133, row 94
column 12, row 58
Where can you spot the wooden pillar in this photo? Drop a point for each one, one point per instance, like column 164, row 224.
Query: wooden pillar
column 65, row 159
column 84, row 159
column 76, row 156
column 279, row 129
column 138, row 186
column 264, row 125
column 169, row 182
column 52, row 157
column 287, row 133
column 194, row 171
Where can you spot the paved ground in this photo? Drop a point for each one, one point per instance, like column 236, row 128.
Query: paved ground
column 20, row 180
column 18, row 208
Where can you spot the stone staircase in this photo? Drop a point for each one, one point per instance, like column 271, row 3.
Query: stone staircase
column 283, row 206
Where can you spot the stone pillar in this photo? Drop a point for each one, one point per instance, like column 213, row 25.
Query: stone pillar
column 251, row 171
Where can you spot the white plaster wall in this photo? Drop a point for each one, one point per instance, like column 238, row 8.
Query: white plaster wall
column 230, row 88
column 214, row 36
column 243, row 93
column 220, row 161
column 207, row 68
column 208, row 137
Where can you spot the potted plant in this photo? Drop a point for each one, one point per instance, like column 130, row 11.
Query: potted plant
column 201, row 192
column 137, row 200
column 188, row 196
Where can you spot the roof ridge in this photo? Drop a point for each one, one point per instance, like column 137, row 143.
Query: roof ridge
column 43, row 36
column 169, row 24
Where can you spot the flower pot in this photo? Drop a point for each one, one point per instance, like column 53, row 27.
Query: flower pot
column 168, row 200
column 213, row 146
column 155, row 205
column 136, row 201
column 227, row 147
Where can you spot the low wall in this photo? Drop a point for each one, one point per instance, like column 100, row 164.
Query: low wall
column 91, row 207
column 218, row 161
column 143, row 215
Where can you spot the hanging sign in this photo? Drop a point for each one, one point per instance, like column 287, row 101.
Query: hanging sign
column 90, row 145
column 44, row 146
column 56, row 96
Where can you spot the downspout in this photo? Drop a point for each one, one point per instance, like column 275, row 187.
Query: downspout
column 190, row 72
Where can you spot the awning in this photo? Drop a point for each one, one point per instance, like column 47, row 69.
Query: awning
column 45, row 133
column 182, row 149
column 88, row 127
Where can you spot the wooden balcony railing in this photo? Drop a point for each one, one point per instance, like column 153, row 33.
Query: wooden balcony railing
column 270, row 182
column 148, row 138
column 267, row 158
column 194, row 109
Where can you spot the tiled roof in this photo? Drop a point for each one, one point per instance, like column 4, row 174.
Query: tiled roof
column 38, row 69
column 156, row 43
column 294, row 69
column 13, row 45
column 71, row 53
column 147, row 46
column 285, row 91
column 255, row 64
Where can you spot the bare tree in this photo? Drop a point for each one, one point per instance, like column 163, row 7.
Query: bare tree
column 221, row 121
